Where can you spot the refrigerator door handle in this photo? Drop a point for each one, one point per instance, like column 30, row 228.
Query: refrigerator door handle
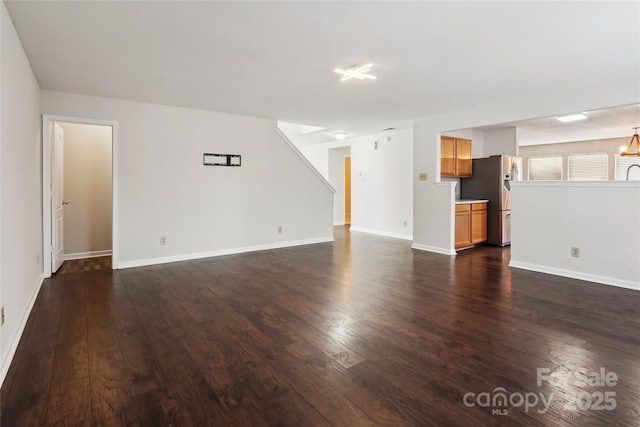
column 505, row 238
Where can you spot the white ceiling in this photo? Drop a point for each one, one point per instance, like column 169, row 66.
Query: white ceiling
column 615, row 122
column 276, row 59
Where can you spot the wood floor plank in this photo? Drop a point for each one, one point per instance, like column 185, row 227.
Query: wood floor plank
column 71, row 360
column 363, row 331
column 344, row 382
column 292, row 326
column 409, row 403
column 70, row 404
column 312, row 388
column 197, row 402
column 135, row 345
column 28, row 387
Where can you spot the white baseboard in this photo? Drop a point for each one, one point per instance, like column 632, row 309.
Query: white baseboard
column 381, row 233
column 221, row 252
column 83, row 255
column 23, row 323
column 434, row 249
column 336, row 223
column 611, row 281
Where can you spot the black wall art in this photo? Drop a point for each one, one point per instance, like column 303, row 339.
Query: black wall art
column 222, row 159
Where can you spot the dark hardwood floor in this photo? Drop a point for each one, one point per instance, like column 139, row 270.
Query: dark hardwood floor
column 360, row 332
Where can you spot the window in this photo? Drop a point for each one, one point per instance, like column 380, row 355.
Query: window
column 588, row 167
column 623, row 163
column 547, row 168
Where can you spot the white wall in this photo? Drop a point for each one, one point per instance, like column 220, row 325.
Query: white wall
column 433, row 199
column 381, row 184
column 87, row 187
column 500, row 141
column 381, row 196
column 599, row 218
column 318, row 156
column 433, row 202
column 20, row 180
column 164, row 190
column 328, row 159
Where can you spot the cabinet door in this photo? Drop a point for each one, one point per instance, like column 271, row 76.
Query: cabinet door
column 463, row 229
column 447, row 156
column 463, row 157
column 478, row 226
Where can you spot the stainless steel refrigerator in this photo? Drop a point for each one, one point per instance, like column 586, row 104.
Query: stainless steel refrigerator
column 491, row 180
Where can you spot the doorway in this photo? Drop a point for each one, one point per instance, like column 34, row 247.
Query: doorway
column 79, row 193
column 340, row 178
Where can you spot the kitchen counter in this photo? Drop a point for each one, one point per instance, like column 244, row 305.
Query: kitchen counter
column 465, row 201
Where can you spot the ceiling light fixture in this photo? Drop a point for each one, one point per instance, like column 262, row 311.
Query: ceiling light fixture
column 633, row 149
column 340, row 135
column 572, row 117
column 357, row 72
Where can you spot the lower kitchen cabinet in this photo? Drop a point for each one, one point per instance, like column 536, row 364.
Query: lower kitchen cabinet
column 463, row 225
column 471, row 224
column 478, row 223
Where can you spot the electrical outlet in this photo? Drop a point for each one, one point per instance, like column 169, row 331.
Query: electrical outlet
column 575, row 252
column 404, row 223
column 279, row 230
column 422, row 176
column 2, row 316
column 163, row 240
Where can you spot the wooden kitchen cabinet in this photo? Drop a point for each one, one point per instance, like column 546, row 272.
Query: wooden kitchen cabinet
column 447, row 156
column 463, row 226
column 470, row 224
column 478, row 223
column 455, row 157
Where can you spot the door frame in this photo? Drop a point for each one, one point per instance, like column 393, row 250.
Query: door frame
column 344, row 186
column 47, row 122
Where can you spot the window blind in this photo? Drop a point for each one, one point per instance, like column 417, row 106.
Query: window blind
column 588, row 167
column 548, row 168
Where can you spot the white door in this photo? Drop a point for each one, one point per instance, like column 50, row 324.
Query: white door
column 57, row 198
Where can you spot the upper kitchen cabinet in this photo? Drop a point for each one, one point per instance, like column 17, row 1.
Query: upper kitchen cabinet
column 455, row 157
